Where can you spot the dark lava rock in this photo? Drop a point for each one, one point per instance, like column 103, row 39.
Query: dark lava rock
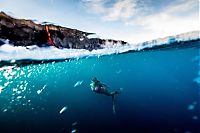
column 23, row 32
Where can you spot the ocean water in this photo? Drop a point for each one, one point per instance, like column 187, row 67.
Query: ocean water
column 160, row 94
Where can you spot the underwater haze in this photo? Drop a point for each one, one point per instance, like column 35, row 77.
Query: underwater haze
column 160, row 93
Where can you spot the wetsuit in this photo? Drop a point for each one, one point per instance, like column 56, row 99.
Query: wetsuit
column 102, row 89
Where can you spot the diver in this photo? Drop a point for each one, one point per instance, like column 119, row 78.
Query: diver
column 101, row 88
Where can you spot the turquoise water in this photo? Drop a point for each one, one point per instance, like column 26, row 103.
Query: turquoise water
column 159, row 94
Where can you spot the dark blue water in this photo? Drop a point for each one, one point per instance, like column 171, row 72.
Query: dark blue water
column 159, row 94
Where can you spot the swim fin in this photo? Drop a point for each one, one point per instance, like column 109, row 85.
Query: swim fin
column 113, row 99
column 113, row 104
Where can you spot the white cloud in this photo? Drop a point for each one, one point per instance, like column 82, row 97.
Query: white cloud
column 176, row 17
column 96, row 6
column 119, row 10
column 182, row 6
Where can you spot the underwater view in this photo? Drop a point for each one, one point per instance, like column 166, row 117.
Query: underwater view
column 99, row 66
column 160, row 93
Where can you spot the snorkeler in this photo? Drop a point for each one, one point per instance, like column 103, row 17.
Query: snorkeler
column 101, row 88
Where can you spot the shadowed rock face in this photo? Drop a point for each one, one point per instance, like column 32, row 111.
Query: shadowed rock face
column 23, row 32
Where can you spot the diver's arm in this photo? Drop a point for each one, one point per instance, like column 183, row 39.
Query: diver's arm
column 92, row 86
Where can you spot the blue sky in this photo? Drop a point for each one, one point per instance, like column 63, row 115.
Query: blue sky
column 129, row 20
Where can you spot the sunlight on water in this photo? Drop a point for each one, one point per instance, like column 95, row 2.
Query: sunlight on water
column 16, row 88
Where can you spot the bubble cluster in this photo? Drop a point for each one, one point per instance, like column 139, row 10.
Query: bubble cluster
column 17, row 86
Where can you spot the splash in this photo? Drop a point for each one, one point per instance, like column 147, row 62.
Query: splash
column 9, row 52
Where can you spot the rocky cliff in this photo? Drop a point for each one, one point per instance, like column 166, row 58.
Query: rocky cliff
column 23, row 32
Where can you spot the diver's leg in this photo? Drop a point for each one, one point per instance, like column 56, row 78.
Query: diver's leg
column 113, row 104
column 118, row 91
column 107, row 92
column 114, row 93
column 113, row 99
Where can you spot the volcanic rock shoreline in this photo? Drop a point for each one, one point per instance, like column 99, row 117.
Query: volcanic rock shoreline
column 21, row 32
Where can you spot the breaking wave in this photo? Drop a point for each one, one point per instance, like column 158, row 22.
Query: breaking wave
column 11, row 54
